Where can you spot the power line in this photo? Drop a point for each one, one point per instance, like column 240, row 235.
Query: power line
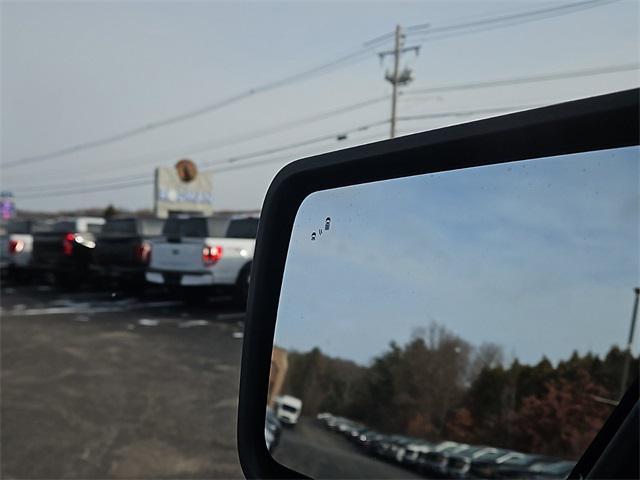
column 231, row 166
column 207, row 146
column 527, row 79
column 200, row 147
column 426, row 32
column 345, row 60
column 149, row 181
column 63, row 193
column 230, row 160
column 296, row 144
column 466, row 113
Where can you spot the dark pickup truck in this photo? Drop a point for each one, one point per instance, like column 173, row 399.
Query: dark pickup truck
column 65, row 249
column 123, row 250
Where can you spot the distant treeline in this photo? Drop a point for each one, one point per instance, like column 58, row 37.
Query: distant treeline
column 439, row 387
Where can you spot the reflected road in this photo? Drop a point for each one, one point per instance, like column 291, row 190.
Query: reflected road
column 319, row 453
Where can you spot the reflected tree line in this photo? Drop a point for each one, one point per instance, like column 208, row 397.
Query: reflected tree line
column 439, row 387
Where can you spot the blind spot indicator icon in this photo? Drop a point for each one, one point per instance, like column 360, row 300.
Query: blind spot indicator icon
column 313, row 235
column 327, row 223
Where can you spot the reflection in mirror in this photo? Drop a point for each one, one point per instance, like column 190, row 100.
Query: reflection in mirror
column 463, row 324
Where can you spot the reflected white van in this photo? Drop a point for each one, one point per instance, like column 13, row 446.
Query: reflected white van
column 288, row 409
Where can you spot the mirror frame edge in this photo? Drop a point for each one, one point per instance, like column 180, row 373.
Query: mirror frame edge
column 596, row 123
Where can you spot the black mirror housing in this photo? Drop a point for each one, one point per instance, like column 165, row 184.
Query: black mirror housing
column 603, row 122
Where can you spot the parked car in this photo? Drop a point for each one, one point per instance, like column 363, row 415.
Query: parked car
column 323, row 417
column 398, row 448
column 389, row 446
column 459, row 464
column 380, row 445
column 369, row 441
column 487, row 467
column 520, row 466
column 434, row 463
column 65, row 250
column 353, row 432
column 205, row 252
column 123, row 249
column 272, row 429
column 554, row 470
column 413, row 451
column 338, row 424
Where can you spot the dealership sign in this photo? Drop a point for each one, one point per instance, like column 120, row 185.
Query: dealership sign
column 7, row 205
column 182, row 189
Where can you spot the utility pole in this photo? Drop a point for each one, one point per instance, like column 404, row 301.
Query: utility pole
column 396, row 77
column 627, row 352
column 394, row 83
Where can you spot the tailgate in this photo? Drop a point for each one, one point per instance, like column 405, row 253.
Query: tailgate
column 21, row 258
column 185, row 256
column 116, row 250
column 47, row 248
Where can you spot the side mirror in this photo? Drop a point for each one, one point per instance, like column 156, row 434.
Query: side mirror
column 449, row 303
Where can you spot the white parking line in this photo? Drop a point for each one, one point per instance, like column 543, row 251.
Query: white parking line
column 193, row 323
column 85, row 308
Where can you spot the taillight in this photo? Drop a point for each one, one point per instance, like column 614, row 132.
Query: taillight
column 143, row 252
column 67, row 244
column 211, row 255
column 15, row 246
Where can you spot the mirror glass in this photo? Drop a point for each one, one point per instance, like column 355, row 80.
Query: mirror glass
column 471, row 323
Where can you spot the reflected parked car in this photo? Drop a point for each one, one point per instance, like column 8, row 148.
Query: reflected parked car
column 520, row 466
column 353, row 432
column 399, row 448
column 369, row 440
column 555, row 470
column 324, row 417
column 434, row 463
column 487, row 467
column 413, row 451
column 459, row 464
column 272, row 429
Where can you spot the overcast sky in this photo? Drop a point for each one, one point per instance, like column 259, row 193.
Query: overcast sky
column 76, row 72
column 540, row 257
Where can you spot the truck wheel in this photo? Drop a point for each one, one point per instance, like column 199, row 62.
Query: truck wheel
column 242, row 285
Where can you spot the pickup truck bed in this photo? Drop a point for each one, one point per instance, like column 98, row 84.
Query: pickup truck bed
column 123, row 249
column 66, row 250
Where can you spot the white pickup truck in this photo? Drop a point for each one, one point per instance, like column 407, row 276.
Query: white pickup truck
column 17, row 245
column 205, row 252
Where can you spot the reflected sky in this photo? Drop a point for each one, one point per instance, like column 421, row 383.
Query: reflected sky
column 538, row 256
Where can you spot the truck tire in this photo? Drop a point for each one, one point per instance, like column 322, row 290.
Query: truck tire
column 242, row 285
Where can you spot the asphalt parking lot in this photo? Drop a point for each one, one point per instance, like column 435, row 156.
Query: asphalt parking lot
column 104, row 385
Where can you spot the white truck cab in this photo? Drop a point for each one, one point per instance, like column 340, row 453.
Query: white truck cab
column 288, row 409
